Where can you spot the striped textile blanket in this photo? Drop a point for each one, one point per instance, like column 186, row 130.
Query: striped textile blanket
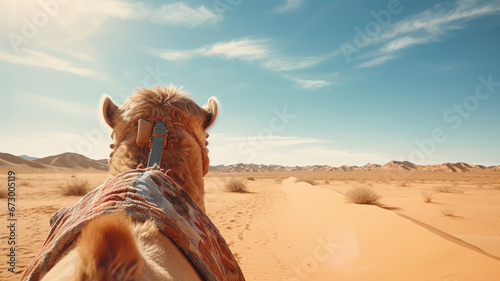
column 144, row 194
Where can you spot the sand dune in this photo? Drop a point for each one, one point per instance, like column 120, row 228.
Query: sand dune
column 454, row 167
column 11, row 161
column 65, row 161
column 296, row 231
column 370, row 243
column 403, row 165
column 390, row 166
column 72, row 161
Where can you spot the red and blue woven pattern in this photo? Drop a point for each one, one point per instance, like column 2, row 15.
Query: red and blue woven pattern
column 144, row 194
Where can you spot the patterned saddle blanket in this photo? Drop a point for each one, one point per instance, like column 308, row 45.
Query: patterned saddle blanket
column 144, row 194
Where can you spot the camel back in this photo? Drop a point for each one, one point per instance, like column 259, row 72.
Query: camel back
column 144, row 194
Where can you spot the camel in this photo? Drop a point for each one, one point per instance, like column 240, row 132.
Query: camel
column 144, row 223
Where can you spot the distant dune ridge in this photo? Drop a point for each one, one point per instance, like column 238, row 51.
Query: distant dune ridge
column 9, row 160
column 75, row 161
column 393, row 165
column 64, row 161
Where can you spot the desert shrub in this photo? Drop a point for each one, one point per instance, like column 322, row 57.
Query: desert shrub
column 24, row 183
column 427, row 196
column 236, row 185
column 452, row 188
column 76, row 187
column 362, row 195
column 309, row 181
column 251, row 178
column 3, row 193
column 447, row 212
column 327, row 182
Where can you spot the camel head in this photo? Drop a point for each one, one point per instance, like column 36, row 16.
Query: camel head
column 184, row 152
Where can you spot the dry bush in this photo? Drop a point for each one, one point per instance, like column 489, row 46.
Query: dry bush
column 362, row 195
column 236, row 185
column 24, row 183
column 3, row 193
column 327, row 182
column 251, row 178
column 309, row 181
column 76, row 187
column 452, row 188
column 447, row 212
column 427, row 197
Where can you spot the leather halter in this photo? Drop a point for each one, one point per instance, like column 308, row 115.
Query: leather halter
column 157, row 138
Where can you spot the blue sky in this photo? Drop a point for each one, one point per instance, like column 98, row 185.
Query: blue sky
column 299, row 82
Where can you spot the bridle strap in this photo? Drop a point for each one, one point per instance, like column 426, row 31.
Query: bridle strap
column 189, row 131
column 159, row 136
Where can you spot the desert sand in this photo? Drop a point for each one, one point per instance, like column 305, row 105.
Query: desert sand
column 286, row 229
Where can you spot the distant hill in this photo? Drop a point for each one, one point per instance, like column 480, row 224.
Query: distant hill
column 400, row 165
column 78, row 162
column 73, row 161
column 454, row 167
column 390, row 166
column 11, row 161
column 103, row 161
column 64, row 161
column 28, row 157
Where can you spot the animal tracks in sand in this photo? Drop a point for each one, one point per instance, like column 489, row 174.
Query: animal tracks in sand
column 242, row 219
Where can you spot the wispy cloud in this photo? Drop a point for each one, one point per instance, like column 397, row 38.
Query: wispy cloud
column 376, row 61
column 181, row 14
column 289, row 6
column 245, row 49
column 62, row 106
column 429, row 26
column 260, row 50
column 249, row 50
column 40, row 59
column 311, row 85
column 169, row 14
column 442, row 18
column 287, row 64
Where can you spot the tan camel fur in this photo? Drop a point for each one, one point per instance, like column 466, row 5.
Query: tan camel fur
column 184, row 158
column 112, row 247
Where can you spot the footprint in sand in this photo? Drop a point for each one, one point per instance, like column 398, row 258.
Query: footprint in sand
column 238, row 258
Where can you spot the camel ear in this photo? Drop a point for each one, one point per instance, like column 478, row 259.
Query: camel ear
column 109, row 111
column 211, row 109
